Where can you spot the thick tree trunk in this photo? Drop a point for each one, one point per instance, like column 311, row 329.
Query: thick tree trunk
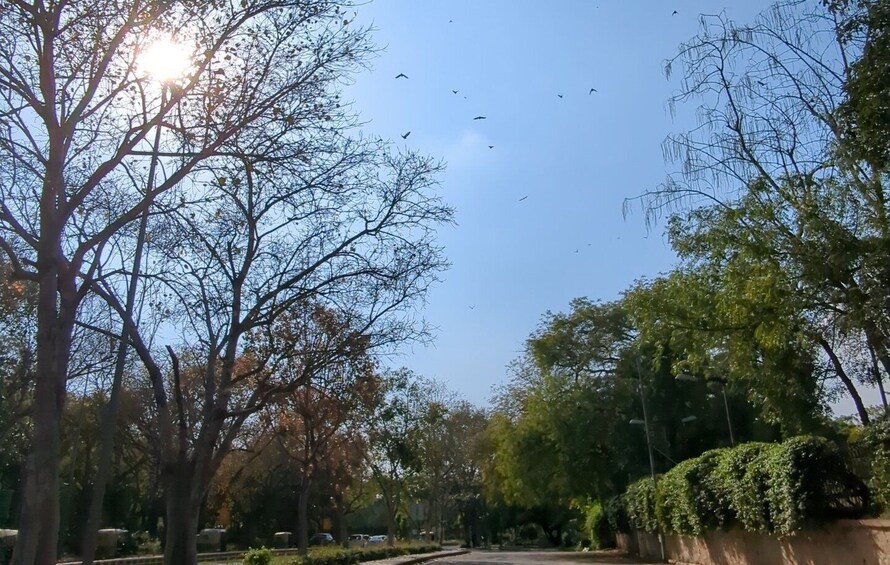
column 39, row 520
column 181, row 521
column 303, row 519
column 342, row 532
column 391, row 526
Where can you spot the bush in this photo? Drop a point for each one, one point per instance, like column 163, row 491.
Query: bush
column 341, row 556
column 874, row 445
column 760, row 487
column 639, row 501
column 597, row 533
column 734, row 480
column 257, row 556
column 689, row 501
column 616, row 515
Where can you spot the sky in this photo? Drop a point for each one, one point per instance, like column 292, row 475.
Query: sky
column 540, row 215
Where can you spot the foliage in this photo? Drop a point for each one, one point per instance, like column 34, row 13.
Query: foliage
column 340, row 556
column 616, row 514
column 875, row 443
column 759, row 487
column 687, row 500
column 258, row 556
column 596, row 526
column 639, row 502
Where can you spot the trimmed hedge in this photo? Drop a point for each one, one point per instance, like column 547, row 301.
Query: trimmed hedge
column 759, row 487
column 341, row 556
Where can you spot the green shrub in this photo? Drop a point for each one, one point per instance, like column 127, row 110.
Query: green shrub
column 760, row 487
column 689, row 501
column 257, row 556
column 874, row 446
column 597, row 531
column 616, row 515
column 639, row 501
column 341, row 556
column 734, row 481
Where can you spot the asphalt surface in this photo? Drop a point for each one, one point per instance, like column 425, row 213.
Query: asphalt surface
column 531, row 557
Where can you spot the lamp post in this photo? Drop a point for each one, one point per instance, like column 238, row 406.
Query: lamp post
column 722, row 382
column 645, row 423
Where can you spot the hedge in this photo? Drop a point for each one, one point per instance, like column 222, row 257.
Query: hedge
column 341, row 556
column 874, row 452
column 639, row 503
column 758, row 487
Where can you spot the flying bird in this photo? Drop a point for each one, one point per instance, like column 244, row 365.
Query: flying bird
column 401, row 75
column 675, row 13
column 592, row 90
column 491, row 146
column 523, row 198
column 479, row 118
column 406, row 134
column 560, row 95
column 473, row 307
column 454, row 91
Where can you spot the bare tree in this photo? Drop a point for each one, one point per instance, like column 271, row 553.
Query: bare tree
column 76, row 113
column 354, row 236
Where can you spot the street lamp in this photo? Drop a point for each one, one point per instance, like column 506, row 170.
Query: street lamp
column 645, row 423
column 711, row 381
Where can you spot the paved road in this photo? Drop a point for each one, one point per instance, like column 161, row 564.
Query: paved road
column 533, row 557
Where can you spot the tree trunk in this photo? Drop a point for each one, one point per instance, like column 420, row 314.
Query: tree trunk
column 342, row 532
column 110, row 414
column 303, row 518
column 39, row 519
column 181, row 522
column 848, row 383
column 391, row 526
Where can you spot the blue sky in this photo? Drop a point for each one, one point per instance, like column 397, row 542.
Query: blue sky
column 575, row 158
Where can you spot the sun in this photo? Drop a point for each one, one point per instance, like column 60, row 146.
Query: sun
column 164, row 60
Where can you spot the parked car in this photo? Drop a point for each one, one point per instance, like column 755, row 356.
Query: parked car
column 376, row 539
column 321, row 539
column 358, row 540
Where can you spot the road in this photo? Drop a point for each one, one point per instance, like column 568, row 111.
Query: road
column 533, row 557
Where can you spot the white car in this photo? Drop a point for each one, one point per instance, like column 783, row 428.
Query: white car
column 376, row 539
column 358, row 540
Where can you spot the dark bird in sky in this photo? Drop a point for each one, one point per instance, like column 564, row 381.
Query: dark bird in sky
column 473, row 307
column 406, row 134
column 560, row 95
column 491, row 146
column 523, row 198
column 401, row 75
column 479, row 118
column 592, row 90
column 454, row 91
column 675, row 13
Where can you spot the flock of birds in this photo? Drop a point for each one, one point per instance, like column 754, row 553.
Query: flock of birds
column 407, row 133
column 456, row 91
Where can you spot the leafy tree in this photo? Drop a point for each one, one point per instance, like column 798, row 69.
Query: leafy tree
column 772, row 200
column 394, row 429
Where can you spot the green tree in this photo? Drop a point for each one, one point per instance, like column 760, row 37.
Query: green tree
column 771, row 197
